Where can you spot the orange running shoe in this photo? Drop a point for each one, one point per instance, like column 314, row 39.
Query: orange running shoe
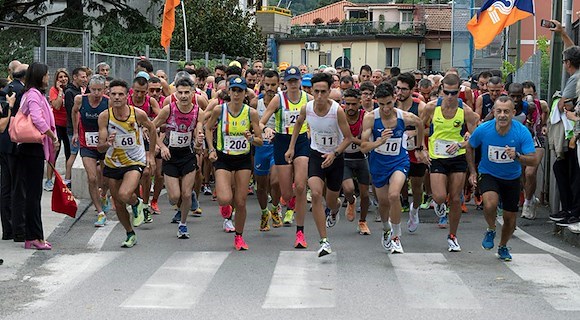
column 239, row 243
column 300, row 242
column 155, row 207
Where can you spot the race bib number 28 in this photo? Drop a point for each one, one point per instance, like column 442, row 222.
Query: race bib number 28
column 290, row 118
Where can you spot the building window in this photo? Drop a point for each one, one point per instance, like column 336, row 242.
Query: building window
column 303, row 56
column 322, row 59
column 406, row 20
column 393, row 57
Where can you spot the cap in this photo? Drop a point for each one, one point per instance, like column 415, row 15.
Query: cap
column 143, row 74
column 292, row 73
column 322, row 67
column 238, row 82
column 306, row 80
column 235, row 63
column 283, row 66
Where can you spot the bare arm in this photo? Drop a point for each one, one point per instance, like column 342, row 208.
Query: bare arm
column 105, row 140
column 209, row 127
column 144, row 121
column 479, row 106
column 345, row 129
column 289, row 156
column 257, row 135
column 154, row 104
column 367, row 145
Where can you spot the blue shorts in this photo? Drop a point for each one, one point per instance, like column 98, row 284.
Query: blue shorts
column 74, row 149
column 92, row 153
column 381, row 178
column 282, row 142
column 263, row 159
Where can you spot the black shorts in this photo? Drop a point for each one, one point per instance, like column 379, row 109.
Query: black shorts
column 119, row 173
column 449, row 165
column 508, row 190
column 92, row 153
column 417, row 169
column 233, row 162
column 540, row 142
column 358, row 168
column 331, row 175
column 282, row 142
column 180, row 165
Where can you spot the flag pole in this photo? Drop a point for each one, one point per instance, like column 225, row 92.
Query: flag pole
column 185, row 31
column 535, row 26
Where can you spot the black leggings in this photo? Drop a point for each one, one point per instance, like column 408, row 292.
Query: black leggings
column 63, row 140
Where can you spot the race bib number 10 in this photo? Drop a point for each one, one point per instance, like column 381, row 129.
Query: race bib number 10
column 392, row 147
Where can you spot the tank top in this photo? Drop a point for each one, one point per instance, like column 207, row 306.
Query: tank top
column 324, row 131
column 444, row 132
column 288, row 113
column 89, row 122
column 145, row 107
column 180, row 129
column 231, row 129
column 353, row 150
column 128, row 148
column 486, row 106
column 412, row 142
column 394, row 150
column 261, row 108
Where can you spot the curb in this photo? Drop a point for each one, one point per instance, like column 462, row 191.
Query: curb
column 68, row 223
column 565, row 234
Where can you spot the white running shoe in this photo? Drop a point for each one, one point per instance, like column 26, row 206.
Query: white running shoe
column 440, row 210
column 325, row 248
column 453, row 244
column 574, row 228
column 386, row 240
column 413, row 222
column 229, row 226
column 529, row 210
column 396, row 246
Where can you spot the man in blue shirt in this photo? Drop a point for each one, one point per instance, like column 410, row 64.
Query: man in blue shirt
column 506, row 145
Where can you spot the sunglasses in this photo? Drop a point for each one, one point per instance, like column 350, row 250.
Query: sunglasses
column 402, row 89
column 155, row 90
column 351, row 104
column 450, row 92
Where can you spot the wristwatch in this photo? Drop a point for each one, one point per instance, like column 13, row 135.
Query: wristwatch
column 336, row 154
column 518, row 155
column 420, row 148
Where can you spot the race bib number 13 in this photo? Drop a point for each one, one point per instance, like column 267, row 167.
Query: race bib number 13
column 92, row 139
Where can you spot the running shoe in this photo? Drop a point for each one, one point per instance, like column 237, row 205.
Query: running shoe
column 229, row 226
column 464, row 207
column 363, row 228
column 177, row 217
column 138, row 216
column 147, row 214
column 182, row 232
column 325, row 248
column 503, row 253
column 350, row 210
column 300, row 242
column 443, row 222
column 478, row 200
column 488, row 238
column 309, row 195
column 377, row 216
column 194, row 203
column 453, row 243
column 561, row 215
column 155, row 207
column 105, row 204
column 405, row 206
column 206, row 190
column 467, row 195
column 331, row 219
column 214, row 196
column 396, row 246
column 529, row 210
column 264, row 221
column 250, row 190
column 276, row 218
column 440, row 209
column 197, row 212
column 413, row 222
column 574, row 228
column 130, row 241
column 48, row 185
column 288, row 218
column 386, row 241
column 239, row 243
column 427, row 199
column 101, row 220
column 499, row 211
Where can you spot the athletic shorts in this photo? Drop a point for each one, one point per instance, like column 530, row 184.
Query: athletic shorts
column 417, row 169
column 282, row 142
column 381, row 178
column 263, row 159
column 146, row 144
column 180, row 166
column 74, row 149
column 92, row 153
column 508, row 190
column 449, row 165
column 358, row 168
column 233, row 162
column 331, row 175
column 119, row 173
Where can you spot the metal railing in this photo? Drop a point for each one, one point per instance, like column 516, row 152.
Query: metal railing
column 275, row 9
column 358, row 28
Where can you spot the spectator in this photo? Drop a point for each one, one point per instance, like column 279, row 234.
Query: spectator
column 161, row 74
column 103, row 69
column 377, row 77
column 76, row 87
column 12, row 67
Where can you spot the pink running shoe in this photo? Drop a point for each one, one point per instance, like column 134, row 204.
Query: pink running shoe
column 239, row 243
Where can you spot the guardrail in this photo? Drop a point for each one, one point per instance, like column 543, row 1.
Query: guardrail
column 274, row 9
column 358, row 28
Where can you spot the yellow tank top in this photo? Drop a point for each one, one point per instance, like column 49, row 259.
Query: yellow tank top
column 231, row 129
column 128, row 148
column 444, row 132
column 288, row 113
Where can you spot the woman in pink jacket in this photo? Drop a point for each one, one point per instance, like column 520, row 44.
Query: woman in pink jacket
column 31, row 156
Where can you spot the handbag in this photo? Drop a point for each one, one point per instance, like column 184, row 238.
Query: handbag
column 22, row 130
column 63, row 200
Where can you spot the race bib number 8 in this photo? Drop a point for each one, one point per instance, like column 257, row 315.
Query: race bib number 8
column 290, row 118
column 236, row 143
column 441, row 147
column 352, row 148
column 498, row 155
column 92, row 139
column 179, row 139
column 392, row 147
column 125, row 141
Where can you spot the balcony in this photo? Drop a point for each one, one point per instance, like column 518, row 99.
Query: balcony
column 358, row 29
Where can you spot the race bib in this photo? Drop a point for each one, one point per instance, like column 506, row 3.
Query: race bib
column 326, row 140
column 411, row 145
column 92, row 139
column 290, row 118
column 352, row 148
column 236, row 143
column 125, row 141
column 179, row 139
column 441, row 147
column 392, row 147
column 498, row 155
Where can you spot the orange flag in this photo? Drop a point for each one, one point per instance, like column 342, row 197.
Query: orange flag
column 168, row 24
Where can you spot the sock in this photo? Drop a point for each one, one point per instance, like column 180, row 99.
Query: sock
column 323, row 240
column 299, row 228
column 490, row 229
column 396, row 229
column 101, row 212
column 265, row 211
column 182, row 224
column 238, row 233
column 386, row 225
column 361, row 220
column 527, row 202
column 131, row 233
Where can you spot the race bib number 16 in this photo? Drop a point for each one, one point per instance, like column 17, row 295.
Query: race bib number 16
column 498, row 155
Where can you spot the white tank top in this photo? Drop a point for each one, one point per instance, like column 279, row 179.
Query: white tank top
column 325, row 132
column 261, row 108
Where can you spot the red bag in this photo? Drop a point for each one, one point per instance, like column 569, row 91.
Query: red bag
column 63, row 200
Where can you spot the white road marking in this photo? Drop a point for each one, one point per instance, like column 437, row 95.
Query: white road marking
column 302, row 280
column 179, row 282
column 429, row 282
column 100, row 236
column 559, row 285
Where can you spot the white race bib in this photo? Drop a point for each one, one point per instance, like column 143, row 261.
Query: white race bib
column 236, row 143
column 498, row 155
column 326, row 140
column 92, row 139
column 179, row 139
column 125, row 141
column 441, row 147
column 411, row 143
column 352, row 148
column 290, row 118
column 392, row 147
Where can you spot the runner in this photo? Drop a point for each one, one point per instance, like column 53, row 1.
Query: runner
column 156, row 92
column 183, row 133
column 506, row 146
column 264, row 170
column 121, row 137
column 85, row 116
column 355, row 163
column 384, row 137
column 231, row 157
column 365, row 73
column 330, row 137
column 448, row 118
column 286, row 106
